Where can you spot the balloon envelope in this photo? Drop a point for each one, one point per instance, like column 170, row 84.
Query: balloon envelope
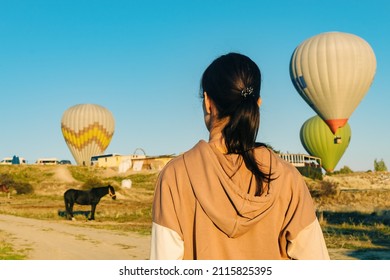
column 332, row 72
column 319, row 141
column 87, row 130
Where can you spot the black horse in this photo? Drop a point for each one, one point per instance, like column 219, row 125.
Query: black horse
column 90, row 197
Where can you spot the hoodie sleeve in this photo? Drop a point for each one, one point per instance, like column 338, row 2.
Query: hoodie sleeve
column 166, row 241
column 302, row 233
column 166, row 244
column 309, row 244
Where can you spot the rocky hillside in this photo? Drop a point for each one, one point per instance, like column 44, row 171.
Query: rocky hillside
column 360, row 191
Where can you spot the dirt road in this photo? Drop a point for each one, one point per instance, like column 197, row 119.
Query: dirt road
column 67, row 240
column 46, row 240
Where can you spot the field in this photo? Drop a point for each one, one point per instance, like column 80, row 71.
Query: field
column 354, row 209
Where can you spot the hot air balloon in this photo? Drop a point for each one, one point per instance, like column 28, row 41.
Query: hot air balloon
column 319, row 141
column 87, row 130
column 332, row 72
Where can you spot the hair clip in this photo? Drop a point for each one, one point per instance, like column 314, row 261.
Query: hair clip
column 246, row 91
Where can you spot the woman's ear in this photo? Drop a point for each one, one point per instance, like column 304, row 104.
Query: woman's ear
column 207, row 103
column 259, row 101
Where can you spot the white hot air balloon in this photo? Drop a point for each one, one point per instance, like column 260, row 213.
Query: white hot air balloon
column 87, row 130
column 332, row 72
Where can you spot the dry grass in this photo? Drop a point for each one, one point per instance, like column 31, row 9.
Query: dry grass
column 131, row 211
column 8, row 250
column 354, row 209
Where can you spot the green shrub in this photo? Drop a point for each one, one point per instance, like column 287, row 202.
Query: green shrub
column 23, row 188
column 344, row 170
column 6, row 179
column 329, row 188
column 325, row 189
column 312, row 172
column 19, row 187
column 379, row 165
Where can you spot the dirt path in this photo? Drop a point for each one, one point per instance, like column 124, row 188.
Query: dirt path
column 45, row 240
column 63, row 174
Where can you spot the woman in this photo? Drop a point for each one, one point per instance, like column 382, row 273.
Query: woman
column 230, row 198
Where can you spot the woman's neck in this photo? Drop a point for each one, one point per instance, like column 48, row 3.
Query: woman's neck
column 216, row 137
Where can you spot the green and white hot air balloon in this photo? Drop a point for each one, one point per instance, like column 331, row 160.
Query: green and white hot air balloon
column 332, row 72
column 319, row 141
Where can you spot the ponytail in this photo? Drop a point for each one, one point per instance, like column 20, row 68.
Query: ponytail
column 233, row 82
column 240, row 135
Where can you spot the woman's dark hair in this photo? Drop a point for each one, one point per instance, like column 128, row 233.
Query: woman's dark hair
column 233, row 82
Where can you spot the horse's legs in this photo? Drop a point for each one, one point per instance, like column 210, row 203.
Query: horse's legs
column 93, row 208
column 69, row 209
column 66, row 206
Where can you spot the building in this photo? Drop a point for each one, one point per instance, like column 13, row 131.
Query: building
column 13, row 160
column 301, row 160
column 47, row 161
column 108, row 160
column 307, row 165
column 135, row 162
column 151, row 162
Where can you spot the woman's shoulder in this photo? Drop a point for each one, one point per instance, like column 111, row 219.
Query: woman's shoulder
column 178, row 161
column 173, row 163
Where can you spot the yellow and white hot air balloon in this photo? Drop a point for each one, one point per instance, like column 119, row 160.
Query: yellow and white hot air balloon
column 87, row 130
column 332, row 72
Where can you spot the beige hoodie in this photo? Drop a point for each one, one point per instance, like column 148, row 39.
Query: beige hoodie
column 205, row 208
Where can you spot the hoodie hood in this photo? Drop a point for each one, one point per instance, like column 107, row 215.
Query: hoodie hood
column 225, row 188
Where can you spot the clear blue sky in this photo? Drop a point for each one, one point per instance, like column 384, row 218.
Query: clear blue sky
column 143, row 61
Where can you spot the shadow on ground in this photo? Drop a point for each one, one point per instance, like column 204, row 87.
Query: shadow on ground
column 365, row 228
column 63, row 214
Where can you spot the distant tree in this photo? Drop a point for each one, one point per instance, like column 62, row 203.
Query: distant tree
column 345, row 170
column 379, row 165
